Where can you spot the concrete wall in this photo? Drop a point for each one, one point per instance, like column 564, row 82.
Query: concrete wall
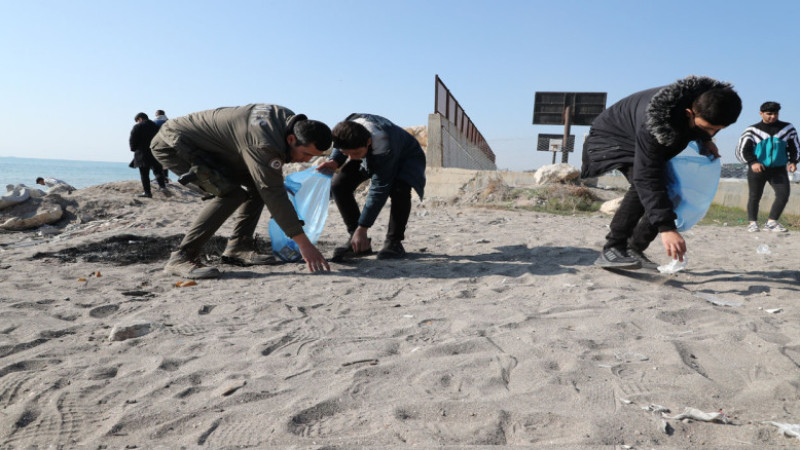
column 447, row 147
column 445, row 183
column 733, row 193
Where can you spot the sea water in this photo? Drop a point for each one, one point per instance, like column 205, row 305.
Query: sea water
column 79, row 174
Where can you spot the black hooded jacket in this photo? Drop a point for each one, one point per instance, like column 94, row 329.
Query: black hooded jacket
column 645, row 130
column 141, row 135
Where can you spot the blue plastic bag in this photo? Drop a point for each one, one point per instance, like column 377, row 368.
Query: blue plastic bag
column 310, row 193
column 692, row 182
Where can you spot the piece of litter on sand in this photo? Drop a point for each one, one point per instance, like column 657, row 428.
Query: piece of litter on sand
column 715, row 300
column 788, row 429
column 674, row 266
column 696, row 414
column 656, row 408
column 774, row 310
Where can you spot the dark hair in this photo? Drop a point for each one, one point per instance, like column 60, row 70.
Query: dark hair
column 39, row 179
column 312, row 132
column 142, row 116
column 160, row 112
column 719, row 106
column 349, row 135
column 772, row 107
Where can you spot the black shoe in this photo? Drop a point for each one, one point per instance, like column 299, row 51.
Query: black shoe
column 144, row 195
column 346, row 251
column 392, row 250
column 643, row 260
column 614, row 258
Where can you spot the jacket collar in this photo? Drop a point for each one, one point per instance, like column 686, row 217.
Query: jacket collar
column 666, row 120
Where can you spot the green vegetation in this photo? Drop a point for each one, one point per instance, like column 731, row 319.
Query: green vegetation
column 735, row 217
column 570, row 199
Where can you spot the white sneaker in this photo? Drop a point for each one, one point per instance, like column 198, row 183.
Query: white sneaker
column 753, row 227
column 774, row 226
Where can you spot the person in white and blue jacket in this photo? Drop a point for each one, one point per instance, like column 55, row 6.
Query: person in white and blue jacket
column 370, row 147
column 769, row 148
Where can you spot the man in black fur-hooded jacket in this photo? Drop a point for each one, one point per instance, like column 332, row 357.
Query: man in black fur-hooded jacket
column 638, row 135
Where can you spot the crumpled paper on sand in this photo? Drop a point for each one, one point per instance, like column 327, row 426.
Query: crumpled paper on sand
column 789, row 429
column 696, row 414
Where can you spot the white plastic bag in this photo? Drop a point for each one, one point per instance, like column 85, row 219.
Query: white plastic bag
column 674, row 266
column 310, row 193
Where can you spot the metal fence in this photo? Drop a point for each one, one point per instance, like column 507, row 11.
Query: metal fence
column 447, row 106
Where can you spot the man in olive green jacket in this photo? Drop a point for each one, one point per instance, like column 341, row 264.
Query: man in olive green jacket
column 236, row 155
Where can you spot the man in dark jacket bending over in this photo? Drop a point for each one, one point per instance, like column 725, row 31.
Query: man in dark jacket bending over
column 370, row 147
column 638, row 135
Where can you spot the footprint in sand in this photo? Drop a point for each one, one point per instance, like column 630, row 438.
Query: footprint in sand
column 102, row 312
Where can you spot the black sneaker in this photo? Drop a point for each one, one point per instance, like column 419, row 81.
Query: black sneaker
column 346, row 251
column 643, row 260
column 145, row 195
column 392, row 250
column 614, row 258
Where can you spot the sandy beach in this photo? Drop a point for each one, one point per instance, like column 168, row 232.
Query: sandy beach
column 498, row 330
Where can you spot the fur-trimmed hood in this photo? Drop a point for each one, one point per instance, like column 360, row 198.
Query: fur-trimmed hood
column 665, row 117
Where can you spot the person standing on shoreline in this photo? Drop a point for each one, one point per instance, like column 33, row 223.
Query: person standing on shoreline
column 160, row 117
column 769, row 148
column 141, row 135
column 159, row 120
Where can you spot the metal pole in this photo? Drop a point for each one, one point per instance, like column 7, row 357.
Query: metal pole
column 564, row 147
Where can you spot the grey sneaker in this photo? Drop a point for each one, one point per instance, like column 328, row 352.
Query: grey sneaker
column 246, row 258
column 181, row 265
column 614, row 258
column 643, row 260
column 392, row 250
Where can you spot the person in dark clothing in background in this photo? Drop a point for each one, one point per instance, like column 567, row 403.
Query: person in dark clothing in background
column 159, row 120
column 141, row 135
column 160, row 117
column 638, row 135
column 370, row 147
column 769, row 148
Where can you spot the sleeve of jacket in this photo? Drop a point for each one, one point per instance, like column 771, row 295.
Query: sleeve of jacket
column 793, row 147
column 379, row 189
column 745, row 149
column 649, row 178
column 265, row 165
column 338, row 156
column 133, row 140
column 384, row 164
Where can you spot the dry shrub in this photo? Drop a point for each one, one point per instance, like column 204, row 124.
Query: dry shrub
column 562, row 199
column 496, row 191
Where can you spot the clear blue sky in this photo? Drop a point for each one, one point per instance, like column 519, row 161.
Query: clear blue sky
column 75, row 73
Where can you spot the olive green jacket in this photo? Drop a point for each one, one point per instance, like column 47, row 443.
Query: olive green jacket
column 247, row 144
